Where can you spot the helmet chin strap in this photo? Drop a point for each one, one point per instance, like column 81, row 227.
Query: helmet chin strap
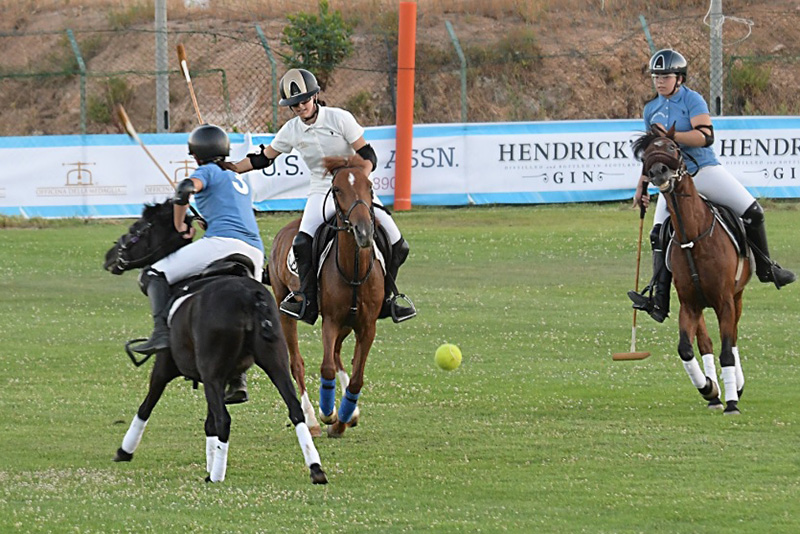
column 313, row 117
column 675, row 89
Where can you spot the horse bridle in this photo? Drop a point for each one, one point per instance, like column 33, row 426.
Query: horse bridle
column 347, row 226
column 124, row 262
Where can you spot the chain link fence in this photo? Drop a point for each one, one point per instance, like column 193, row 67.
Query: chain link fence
column 505, row 71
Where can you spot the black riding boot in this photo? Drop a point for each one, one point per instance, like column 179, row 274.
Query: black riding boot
column 157, row 289
column 237, row 390
column 766, row 269
column 302, row 304
column 654, row 299
column 391, row 307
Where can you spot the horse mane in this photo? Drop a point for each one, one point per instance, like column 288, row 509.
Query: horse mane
column 157, row 211
column 334, row 163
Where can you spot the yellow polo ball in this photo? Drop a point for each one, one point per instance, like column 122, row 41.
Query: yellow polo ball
column 448, row 357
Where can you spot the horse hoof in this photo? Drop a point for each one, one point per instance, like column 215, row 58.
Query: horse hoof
column 315, row 431
column 122, row 456
column 318, row 475
column 739, row 393
column 715, row 404
column 353, row 422
column 331, row 419
column 731, row 408
column 336, row 430
column 208, row 479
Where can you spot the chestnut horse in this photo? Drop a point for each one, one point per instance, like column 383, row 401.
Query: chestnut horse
column 351, row 292
column 707, row 270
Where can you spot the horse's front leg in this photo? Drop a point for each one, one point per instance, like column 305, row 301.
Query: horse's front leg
column 164, row 371
column 348, row 407
column 327, row 388
column 707, row 352
column 689, row 320
column 726, row 315
column 298, row 367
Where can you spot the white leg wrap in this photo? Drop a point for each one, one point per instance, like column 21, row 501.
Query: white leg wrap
column 220, row 462
column 308, row 410
column 344, row 379
column 211, row 447
column 729, row 380
column 710, row 367
column 695, row 374
column 739, row 372
column 307, row 444
column 134, row 435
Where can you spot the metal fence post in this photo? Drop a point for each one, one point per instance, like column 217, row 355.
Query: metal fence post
column 162, row 68
column 274, row 64
column 715, row 67
column 463, row 60
column 82, row 69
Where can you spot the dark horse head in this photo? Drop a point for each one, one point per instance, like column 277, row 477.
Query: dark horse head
column 351, row 189
column 149, row 239
column 661, row 157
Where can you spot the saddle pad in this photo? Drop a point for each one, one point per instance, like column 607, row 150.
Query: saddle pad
column 177, row 304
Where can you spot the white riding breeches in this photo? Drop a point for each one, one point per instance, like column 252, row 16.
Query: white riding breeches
column 313, row 216
column 196, row 256
column 717, row 185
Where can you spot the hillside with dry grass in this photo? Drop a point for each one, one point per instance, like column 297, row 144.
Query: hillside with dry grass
column 527, row 60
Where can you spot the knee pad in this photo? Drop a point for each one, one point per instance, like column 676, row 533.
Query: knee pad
column 655, row 237
column 754, row 215
column 148, row 275
column 302, row 239
column 400, row 252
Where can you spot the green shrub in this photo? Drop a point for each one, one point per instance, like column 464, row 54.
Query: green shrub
column 120, row 19
column 318, row 43
column 100, row 107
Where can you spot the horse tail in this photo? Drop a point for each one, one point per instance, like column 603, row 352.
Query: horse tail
column 266, row 315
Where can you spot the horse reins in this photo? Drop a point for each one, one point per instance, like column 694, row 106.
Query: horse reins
column 355, row 282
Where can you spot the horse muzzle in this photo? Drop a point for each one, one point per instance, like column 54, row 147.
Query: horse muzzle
column 661, row 176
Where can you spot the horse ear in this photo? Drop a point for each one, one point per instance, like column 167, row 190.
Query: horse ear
column 671, row 131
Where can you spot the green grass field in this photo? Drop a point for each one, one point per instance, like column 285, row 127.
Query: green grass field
column 537, row 431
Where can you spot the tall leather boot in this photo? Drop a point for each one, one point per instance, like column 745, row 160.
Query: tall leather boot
column 654, row 299
column 302, row 304
column 766, row 269
column 157, row 289
column 237, row 390
column 401, row 312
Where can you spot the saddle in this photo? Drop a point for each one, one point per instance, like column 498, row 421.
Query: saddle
column 726, row 219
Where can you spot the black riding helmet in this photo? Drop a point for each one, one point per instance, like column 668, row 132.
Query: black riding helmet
column 297, row 85
column 209, row 143
column 668, row 61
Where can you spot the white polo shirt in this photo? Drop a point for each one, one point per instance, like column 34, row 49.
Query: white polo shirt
column 332, row 134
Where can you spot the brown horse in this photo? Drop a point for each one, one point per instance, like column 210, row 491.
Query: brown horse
column 351, row 292
column 707, row 269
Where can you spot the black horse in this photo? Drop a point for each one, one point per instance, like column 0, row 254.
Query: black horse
column 219, row 328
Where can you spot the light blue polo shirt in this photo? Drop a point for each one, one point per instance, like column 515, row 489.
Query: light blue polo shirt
column 226, row 203
column 679, row 110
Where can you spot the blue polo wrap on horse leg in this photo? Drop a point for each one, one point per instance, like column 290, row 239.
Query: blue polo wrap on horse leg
column 348, row 405
column 327, row 395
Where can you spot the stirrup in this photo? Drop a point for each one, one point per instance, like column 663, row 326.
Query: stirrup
column 157, row 341
column 640, row 301
column 402, row 313
column 294, row 309
column 780, row 276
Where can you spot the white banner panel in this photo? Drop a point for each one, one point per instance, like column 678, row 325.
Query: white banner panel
column 453, row 164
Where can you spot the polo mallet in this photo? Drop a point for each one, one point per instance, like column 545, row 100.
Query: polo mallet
column 185, row 71
column 633, row 354
column 125, row 122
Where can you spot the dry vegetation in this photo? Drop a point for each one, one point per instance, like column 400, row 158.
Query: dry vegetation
column 528, row 59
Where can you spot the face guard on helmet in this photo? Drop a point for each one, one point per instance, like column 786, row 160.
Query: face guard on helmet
column 297, row 85
column 668, row 62
column 209, row 143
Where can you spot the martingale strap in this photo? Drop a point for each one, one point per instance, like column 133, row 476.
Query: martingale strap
column 688, row 245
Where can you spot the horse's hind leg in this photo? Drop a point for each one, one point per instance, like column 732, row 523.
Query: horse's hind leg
column 689, row 320
column 218, row 423
column 726, row 315
column 272, row 358
column 299, row 373
column 737, row 302
column 709, row 366
column 164, row 370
